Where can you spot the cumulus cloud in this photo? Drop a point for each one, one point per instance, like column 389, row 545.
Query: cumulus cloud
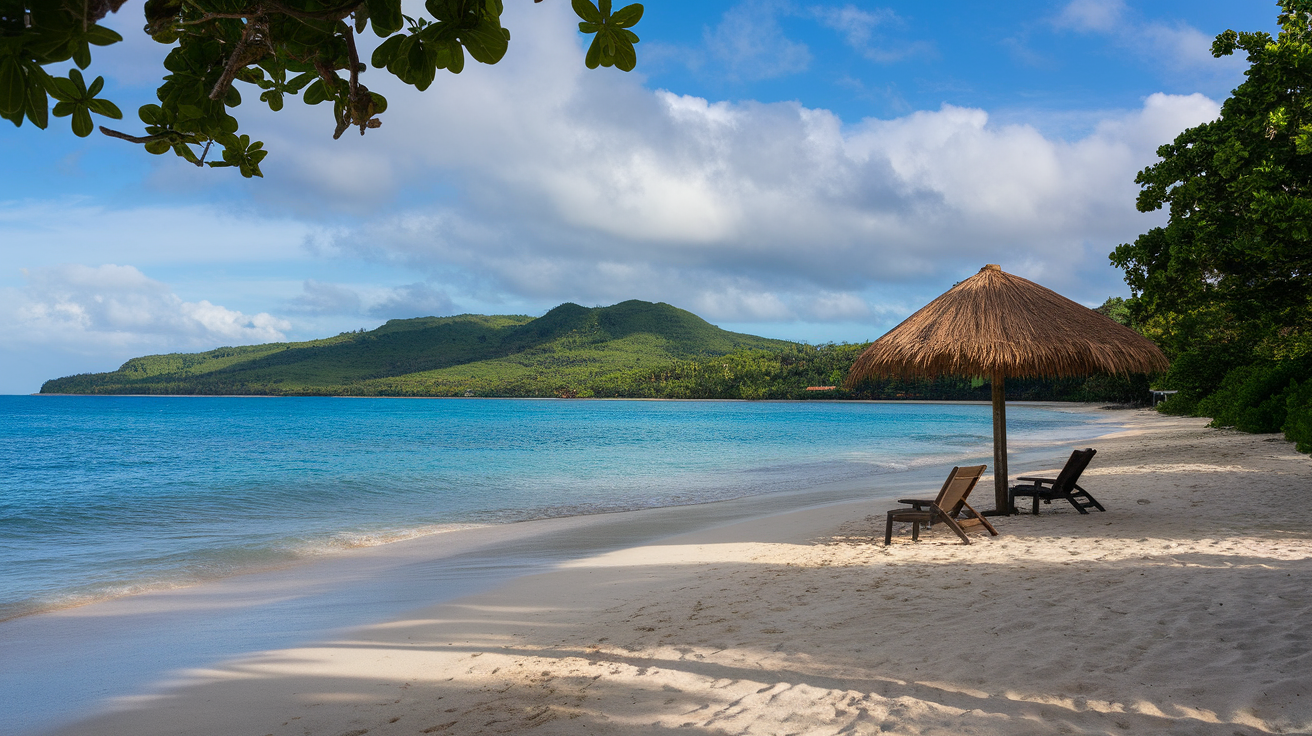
column 93, row 308
column 752, row 211
column 586, row 186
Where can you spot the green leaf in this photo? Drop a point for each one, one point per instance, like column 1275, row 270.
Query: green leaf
column 273, row 98
column 13, row 86
column 101, row 36
column 385, row 16
column 157, row 147
column 485, row 42
column 96, row 86
column 627, row 16
column 82, row 126
column 587, row 11
column 151, row 114
column 38, row 106
column 64, row 109
column 387, row 51
column 105, row 108
column 82, row 56
column 63, row 89
column 314, row 94
column 298, row 82
column 593, row 58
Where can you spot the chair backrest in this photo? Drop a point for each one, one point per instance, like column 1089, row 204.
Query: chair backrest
column 960, row 482
column 1070, row 475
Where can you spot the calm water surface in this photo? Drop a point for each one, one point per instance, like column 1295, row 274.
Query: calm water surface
column 101, row 496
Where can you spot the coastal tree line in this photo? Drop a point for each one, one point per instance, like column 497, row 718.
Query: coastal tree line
column 1225, row 287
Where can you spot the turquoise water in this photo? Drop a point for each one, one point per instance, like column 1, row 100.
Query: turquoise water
column 102, row 496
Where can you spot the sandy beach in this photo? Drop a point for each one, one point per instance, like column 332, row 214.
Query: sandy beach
column 1183, row 609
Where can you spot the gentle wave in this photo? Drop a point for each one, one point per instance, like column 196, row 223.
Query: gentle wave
column 109, row 496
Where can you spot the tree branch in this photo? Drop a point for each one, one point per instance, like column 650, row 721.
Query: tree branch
column 132, row 138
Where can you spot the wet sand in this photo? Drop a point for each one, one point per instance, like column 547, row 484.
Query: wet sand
column 1182, row 609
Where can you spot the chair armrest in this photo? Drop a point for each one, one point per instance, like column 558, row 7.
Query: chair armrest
column 916, row 503
column 1037, row 481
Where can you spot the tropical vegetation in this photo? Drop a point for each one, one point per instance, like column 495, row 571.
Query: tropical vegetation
column 274, row 48
column 633, row 349
column 1225, row 287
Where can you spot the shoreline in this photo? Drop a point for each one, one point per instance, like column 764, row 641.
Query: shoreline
column 338, row 543
column 137, row 639
column 1168, row 613
column 947, row 402
column 539, row 562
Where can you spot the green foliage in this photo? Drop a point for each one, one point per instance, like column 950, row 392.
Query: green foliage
column 281, row 48
column 1226, row 286
column 633, row 350
column 1298, row 415
column 1117, row 309
column 1254, row 398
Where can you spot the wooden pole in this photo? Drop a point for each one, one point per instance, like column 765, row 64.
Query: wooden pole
column 1002, row 508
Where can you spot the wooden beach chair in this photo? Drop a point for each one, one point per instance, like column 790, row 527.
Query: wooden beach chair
column 950, row 503
column 1063, row 486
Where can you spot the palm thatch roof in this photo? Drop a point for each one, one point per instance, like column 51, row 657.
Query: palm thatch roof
column 998, row 324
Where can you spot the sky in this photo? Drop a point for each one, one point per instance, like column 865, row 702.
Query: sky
column 814, row 171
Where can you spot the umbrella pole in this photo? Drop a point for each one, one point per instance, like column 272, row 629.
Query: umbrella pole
column 1003, row 507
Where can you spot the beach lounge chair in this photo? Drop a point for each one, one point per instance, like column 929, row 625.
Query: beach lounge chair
column 951, row 502
column 1063, row 486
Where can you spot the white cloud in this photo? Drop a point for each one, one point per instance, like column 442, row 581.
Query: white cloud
column 1179, row 46
column 750, row 43
column 1092, row 15
column 857, row 27
column 585, row 186
column 92, row 309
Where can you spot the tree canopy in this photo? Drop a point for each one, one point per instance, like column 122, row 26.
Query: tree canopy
column 1226, row 286
column 280, row 48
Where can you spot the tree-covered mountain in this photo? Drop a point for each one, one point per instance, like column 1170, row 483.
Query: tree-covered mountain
column 566, row 348
column 630, row 350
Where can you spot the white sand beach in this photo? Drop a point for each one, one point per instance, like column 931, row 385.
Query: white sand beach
column 1183, row 609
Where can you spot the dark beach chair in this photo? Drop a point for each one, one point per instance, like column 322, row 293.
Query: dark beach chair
column 950, row 503
column 1063, row 486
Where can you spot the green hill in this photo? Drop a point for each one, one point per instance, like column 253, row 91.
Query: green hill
column 571, row 350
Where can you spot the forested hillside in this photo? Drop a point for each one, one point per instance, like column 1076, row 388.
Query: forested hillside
column 633, row 349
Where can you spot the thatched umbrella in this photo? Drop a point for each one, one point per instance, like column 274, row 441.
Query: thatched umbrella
column 999, row 326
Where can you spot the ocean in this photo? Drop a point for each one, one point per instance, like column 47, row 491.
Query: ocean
column 106, row 496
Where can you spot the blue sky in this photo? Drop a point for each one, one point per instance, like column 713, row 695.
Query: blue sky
column 807, row 170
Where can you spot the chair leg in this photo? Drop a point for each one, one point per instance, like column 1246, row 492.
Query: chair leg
column 1092, row 501
column 1076, row 504
column 956, row 528
column 981, row 518
column 915, row 531
column 1035, row 510
column 888, row 530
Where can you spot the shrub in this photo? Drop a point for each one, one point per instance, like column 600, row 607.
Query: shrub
column 1298, row 415
column 1254, row 398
